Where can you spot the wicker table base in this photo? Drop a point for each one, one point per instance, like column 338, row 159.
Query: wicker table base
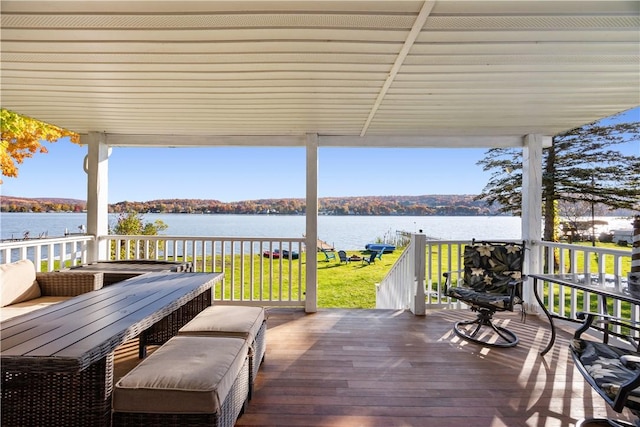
column 57, row 363
column 26, row 396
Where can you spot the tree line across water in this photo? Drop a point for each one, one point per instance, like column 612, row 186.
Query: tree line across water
column 447, row 205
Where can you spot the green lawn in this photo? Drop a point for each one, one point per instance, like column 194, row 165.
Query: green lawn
column 340, row 285
column 351, row 285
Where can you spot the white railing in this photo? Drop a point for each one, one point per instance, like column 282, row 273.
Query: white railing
column 563, row 259
column 250, row 277
column 446, row 256
column 403, row 286
column 47, row 254
column 443, row 256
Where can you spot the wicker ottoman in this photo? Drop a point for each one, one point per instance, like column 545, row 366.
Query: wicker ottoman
column 188, row 381
column 234, row 321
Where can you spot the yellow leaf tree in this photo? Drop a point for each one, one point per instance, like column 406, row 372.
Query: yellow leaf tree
column 22, row 137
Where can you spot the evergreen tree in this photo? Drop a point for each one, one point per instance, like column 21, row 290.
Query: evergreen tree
column 582, row 164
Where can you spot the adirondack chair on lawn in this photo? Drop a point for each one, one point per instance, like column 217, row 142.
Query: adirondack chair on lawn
column 328, row 255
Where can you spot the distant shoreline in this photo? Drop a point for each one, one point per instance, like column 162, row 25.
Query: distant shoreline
column 424, row 205
column 342, row 232
column 276, row 214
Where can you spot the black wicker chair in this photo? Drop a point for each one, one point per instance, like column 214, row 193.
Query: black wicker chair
column 613, row 371
column 491, row 281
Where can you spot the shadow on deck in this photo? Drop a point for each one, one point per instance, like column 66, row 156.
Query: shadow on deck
column 383, row 368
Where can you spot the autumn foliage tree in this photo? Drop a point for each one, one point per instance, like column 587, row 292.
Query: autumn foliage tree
column 22, row 137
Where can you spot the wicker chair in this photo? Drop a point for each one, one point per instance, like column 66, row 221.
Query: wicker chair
column 68, row 285
column 613, row 371
column 491, row 282
column 24, row 290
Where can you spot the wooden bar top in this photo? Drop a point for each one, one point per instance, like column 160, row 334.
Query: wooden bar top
column 134, row 266
column 117, row 271
column 88, row 327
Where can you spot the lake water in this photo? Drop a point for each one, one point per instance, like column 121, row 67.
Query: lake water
column 343, row 232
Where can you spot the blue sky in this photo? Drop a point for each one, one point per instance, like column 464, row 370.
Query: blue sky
column 234, row 173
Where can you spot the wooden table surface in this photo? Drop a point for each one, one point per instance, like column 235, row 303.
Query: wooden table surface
column 139, row 266
column 117, row 271
column 88, row 327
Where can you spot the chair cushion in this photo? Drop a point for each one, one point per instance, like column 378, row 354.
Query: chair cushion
column 485, row 299
column 491, row 267
column 226, row 320
column 25, row 307
column 186, row 375
column 18, row 282
column 492, row 276
column 602, row 362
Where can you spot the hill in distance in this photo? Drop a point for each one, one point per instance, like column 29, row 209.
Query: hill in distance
column 365, row 205
column 424, row 205
column 25, row 200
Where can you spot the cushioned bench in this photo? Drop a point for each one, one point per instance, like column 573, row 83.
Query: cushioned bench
column 234, row 321
column 187, row 381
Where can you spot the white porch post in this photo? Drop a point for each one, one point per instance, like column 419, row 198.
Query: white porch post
column 532, row 209
column 96, row 167
column 311, row 298
column 419, row 306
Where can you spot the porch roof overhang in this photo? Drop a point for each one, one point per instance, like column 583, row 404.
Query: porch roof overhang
column 356, row 73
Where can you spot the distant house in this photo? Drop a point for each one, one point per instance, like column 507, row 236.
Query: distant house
column 623, row 236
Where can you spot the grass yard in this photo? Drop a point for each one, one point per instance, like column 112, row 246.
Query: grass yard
column 351, row 285
column 340, row 285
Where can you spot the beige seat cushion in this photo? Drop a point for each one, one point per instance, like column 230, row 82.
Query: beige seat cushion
column 18, row 282
column 28, row 306
column 185, row 375
column 226, row 320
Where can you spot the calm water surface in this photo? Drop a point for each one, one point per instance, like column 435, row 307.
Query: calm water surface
column 343, row 232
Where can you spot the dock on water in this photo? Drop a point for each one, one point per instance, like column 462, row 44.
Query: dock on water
column 324, row 246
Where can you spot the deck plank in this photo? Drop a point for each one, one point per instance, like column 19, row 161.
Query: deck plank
column 389, row 368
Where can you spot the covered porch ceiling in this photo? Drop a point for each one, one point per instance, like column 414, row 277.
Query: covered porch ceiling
column 356, row 73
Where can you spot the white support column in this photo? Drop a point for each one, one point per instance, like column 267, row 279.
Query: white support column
column 311, row 298
column 419, row 306
column 532, row 210
column 97, row 169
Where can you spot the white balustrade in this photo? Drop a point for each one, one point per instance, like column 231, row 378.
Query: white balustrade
column 558, row 258
column 253, row 279
column 402, row 288
column 47, row 254
column 250, row 278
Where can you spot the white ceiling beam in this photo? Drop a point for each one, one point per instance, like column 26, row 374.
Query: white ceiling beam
column 121, row 140
column 422, row 141
column 411, row 38
column 129, row 140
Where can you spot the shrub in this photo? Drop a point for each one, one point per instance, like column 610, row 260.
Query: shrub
column 132, row 224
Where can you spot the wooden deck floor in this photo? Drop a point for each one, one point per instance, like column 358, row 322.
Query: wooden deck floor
column 381, row 368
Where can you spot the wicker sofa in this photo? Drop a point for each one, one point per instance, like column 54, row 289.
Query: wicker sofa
column 22, row 290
